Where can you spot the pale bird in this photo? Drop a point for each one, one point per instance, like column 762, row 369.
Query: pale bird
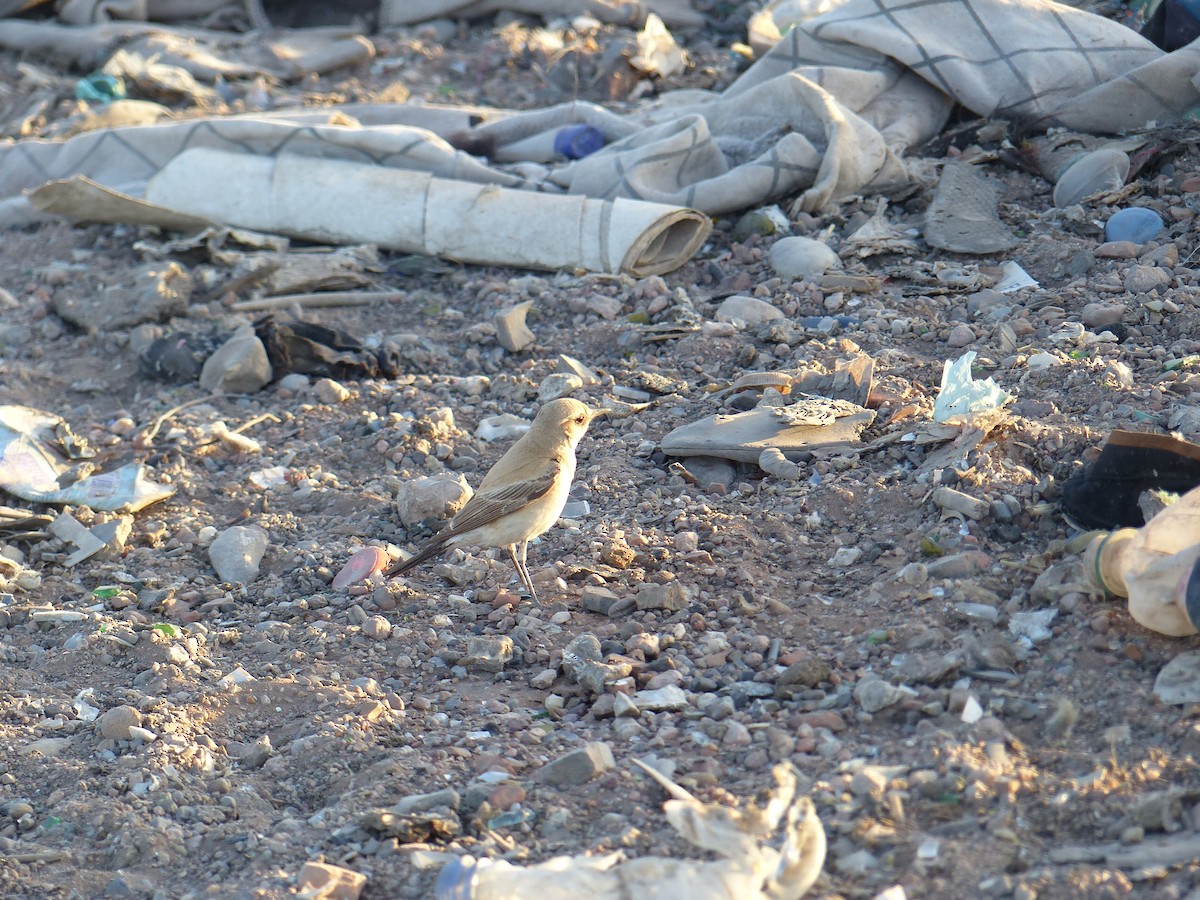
column 523, row 494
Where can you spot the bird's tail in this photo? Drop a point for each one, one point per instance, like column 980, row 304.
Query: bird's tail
column 430, row 550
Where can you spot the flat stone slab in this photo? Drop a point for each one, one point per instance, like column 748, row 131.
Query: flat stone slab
column 810, row 422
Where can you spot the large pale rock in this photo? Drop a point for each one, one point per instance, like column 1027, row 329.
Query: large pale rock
column 801, row 257
column 237, row 553
column 488, row 653
column 240, row 365
column 809, row 422
column 432, row 499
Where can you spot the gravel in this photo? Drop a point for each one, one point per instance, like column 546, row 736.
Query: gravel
column 199, row 712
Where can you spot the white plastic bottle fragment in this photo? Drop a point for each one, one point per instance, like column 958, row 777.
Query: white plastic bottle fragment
column 1156, row 566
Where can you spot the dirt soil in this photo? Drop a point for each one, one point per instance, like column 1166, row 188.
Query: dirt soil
column 282, row 720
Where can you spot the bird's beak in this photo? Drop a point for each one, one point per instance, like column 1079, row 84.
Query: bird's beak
column 600, row 413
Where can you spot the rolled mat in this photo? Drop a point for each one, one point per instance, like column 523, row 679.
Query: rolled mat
column 414, row 212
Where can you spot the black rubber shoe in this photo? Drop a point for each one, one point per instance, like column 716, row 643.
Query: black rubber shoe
column 1105, row 494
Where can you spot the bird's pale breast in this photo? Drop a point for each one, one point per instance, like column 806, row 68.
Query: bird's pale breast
column 529, row 521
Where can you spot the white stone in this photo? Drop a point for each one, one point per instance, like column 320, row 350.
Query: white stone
column 845, row 556
column 801, row 257
column 749, row 310
column 874, row 694
column 624, row 707
column 511, row 331
column 670, row 698
column 237, row 553
column 1042, row 360
column 331, row 392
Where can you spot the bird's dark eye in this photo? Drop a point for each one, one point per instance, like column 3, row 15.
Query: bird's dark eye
column 579, row 419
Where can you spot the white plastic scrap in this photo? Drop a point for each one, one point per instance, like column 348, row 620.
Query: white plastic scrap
column 1014, row 278
column 270, row 478
column 748, row 869
column 83, row 709
column 657, row 52
column 30, row 468
column 962, row 396
column 972, row 712
column 502, row 427
column 576, row 509
column 1033, row 624
column 70, row 530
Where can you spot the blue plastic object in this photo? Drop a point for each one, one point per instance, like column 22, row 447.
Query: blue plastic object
column 454, row 880
column 100, row 87
column 518, row 816
column 1136, row 224
column 578, row 141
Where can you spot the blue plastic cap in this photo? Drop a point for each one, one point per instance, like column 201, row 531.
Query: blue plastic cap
column 578, row 141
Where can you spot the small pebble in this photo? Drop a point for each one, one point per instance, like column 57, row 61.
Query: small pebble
column 961, row 336
column 377, row 627
column 578, row 766
column 330, row 391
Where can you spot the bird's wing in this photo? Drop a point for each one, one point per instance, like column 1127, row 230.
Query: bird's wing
column 488, row 506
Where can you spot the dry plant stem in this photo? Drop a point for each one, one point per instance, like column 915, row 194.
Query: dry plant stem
column 250, row 423
column 330, row 298
column 150, row 431
column 677, row 792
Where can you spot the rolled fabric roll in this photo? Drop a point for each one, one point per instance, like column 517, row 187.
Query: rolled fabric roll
column 414, row 212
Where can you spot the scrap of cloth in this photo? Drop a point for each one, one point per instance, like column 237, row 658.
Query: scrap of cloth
column 830, row 111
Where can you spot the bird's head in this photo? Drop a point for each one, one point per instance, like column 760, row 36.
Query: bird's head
column 565, row 417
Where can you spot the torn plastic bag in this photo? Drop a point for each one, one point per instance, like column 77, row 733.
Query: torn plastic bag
column 32, row 468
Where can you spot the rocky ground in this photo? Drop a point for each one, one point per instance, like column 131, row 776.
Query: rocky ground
column 962, row 733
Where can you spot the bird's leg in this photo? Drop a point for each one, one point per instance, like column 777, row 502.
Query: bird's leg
column 523, row 569
column 516, row 561
column 519, row 565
